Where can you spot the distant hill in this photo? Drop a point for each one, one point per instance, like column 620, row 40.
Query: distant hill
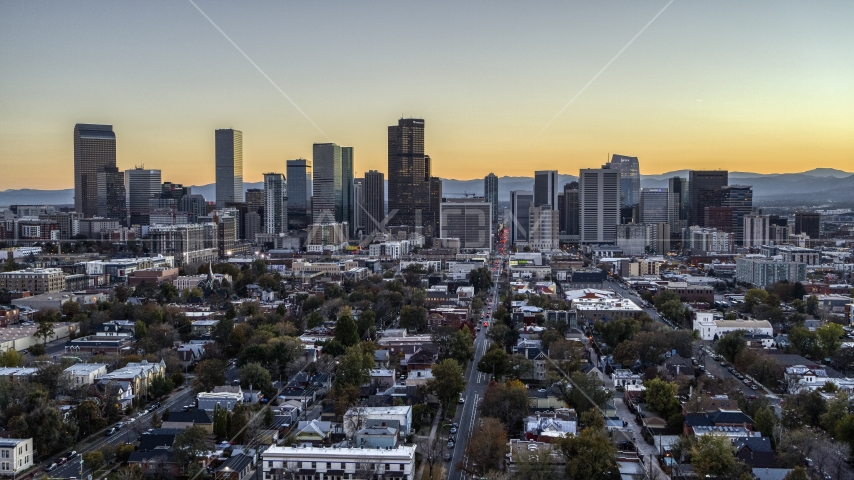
column 816, row 186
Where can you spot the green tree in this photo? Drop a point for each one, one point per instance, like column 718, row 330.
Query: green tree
column 220, row 422
column 661, row 397
column 589, row 455
column 798, row 473
column 257, row 377
column 413, row 318
column 161, row 386
column 367, row 322
column 44, row 329
column 461, row 346
column 713, row 455
column 731, row 344
column 209, row 374
column 88, row 418
column 481, row 279
column 836, row 410
column 494, row 362
column 584, row 392
column 355, row 365
column 313, row 320
column 617, row 330
column 754, row 297
column 805, row 342
column 190, row 444
column 93, row 460
column 447, row 382
column 486, row 447
column 508, row 402
column 10, row 358
column 830, row 338
column 497, row 332
column 764, row 420
column 346, row 330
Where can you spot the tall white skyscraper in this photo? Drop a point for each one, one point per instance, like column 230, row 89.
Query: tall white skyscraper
column 275, row 203
column 229, row 166
column 545, row 188
column 599, row 192
column 756, row 230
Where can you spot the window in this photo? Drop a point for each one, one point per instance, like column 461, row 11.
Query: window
column 5, row 454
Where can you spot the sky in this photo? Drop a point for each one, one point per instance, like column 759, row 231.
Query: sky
column 504, row 87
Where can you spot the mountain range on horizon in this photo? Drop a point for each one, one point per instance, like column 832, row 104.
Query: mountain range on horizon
column 816, row 185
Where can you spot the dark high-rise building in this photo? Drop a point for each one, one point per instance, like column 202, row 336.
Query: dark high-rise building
column 374, row 206
column 599, row 194
column 94, row 149
column 521, row 202
column 175, row 191
column 194, row 205
column 809, row 223
column 299, row 192
column 142, row 186
column 347, row 198
column 545, row 188
column 112, row 201
column 408, row 173
column 568, row 205
column 677, row 205
column 653, row 205
column 705, row 189
column 629, row 179
column 718, row 217
column 275, row 203
column 229, row 166
column 327, row 202
column 740, row 199
column 490, row 193
column 435, row 198
column 778, row 221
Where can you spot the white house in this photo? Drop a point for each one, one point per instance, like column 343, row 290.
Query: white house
column 356, row 418
column 85, row 373
column 320, row 462
column 709, row 327
column 16, row 455
column 226, row 397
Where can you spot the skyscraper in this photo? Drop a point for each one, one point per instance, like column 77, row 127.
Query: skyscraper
column 599, row 193
column 653, row 205
column 347, row 199
column 705, row 189
column 569, row 214
column 408, row 173
column 521, row 202
column 756, row 230
column 545, row 188
column 740, row 199
column 299, row 178
column 374, row 211
column 112, row 201
column 677, row 205
column 327, row 203
column 490, row 193
column 809, row 223
column 275, row 203
column 358, row 205
column 468, row 219
column 229, row 166
column 629, row 179
column 142, row 186
column 94, row 149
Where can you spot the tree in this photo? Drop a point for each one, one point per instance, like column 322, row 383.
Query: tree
column 257, row 377
column 589, row 455
column 486, row 448
column 209, row 374
column 461, row 346
column 830, row 338
column 497, row 333
column 731, row 344
column 661, row 397
column 346, row 330
column 44, row 330
column 765, row 421
column 220, row 422
column 93, row 460
column 835, row 412
column 190, row 444
column 88, row 418
column 161, row 385
column 367, row 322
column 567, row 354
column 494, row 362
column 534, row 465
column 805, row 342
column 508, row 402
column 355, row 365
column 713, row 455
column 617, row 330
column 797, row 474
column 754, row 297
column 447, row 382
column 584, row 391
column 10, row 358
column 481, row 279
column 413, row 318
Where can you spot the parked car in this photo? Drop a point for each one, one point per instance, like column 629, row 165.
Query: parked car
column 62, row 461
column 73, row 454
column 52, row 467
column 111, row 431
column 448, row 457
column 450, row 444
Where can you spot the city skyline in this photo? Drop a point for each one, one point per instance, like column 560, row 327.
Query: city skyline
column 766, row 97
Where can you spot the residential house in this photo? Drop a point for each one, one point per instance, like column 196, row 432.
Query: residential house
column 422, row 359
column 356, row 418
column 313, row 432
column 236, row 467
column 226, row 397
column 16, row 455
column 520, row 450
column 755, row 451
column 545, row 399
column 341, row 463
column 190, row 353
column 183, row 420
column 138, row 374
column 545, row 426
column 85, row 373
column 201, row 328
column 377, row 434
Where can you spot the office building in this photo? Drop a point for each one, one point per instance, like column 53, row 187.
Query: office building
column 705, row 189
column 229, row 166
column 358, row 205
column 431, row 217
column 275, row 203
column 194, row 205
column 34, row 280
column 677, row 204
column 142, row 186
column 719, row 218
column 326, row 237
column 468, row 219
column 545, row 188
column 653, row 205
column 809, row 223
column 227, row 230
column 327, row 202
column 299, row 176
column 761, row 272
column 543, row 224
column 190, row 244
column 756, row 231
column 68, row 222
column 629, row 168
column 94, row 149
column 337, row 463
column 521, row 202
column 374, row 211
column 112, row 197
column 409, row 175
column 569, row 208
column 740, row 199
column 490, row 193
column 707, row 240
column 599, row 193
column 347, row 198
